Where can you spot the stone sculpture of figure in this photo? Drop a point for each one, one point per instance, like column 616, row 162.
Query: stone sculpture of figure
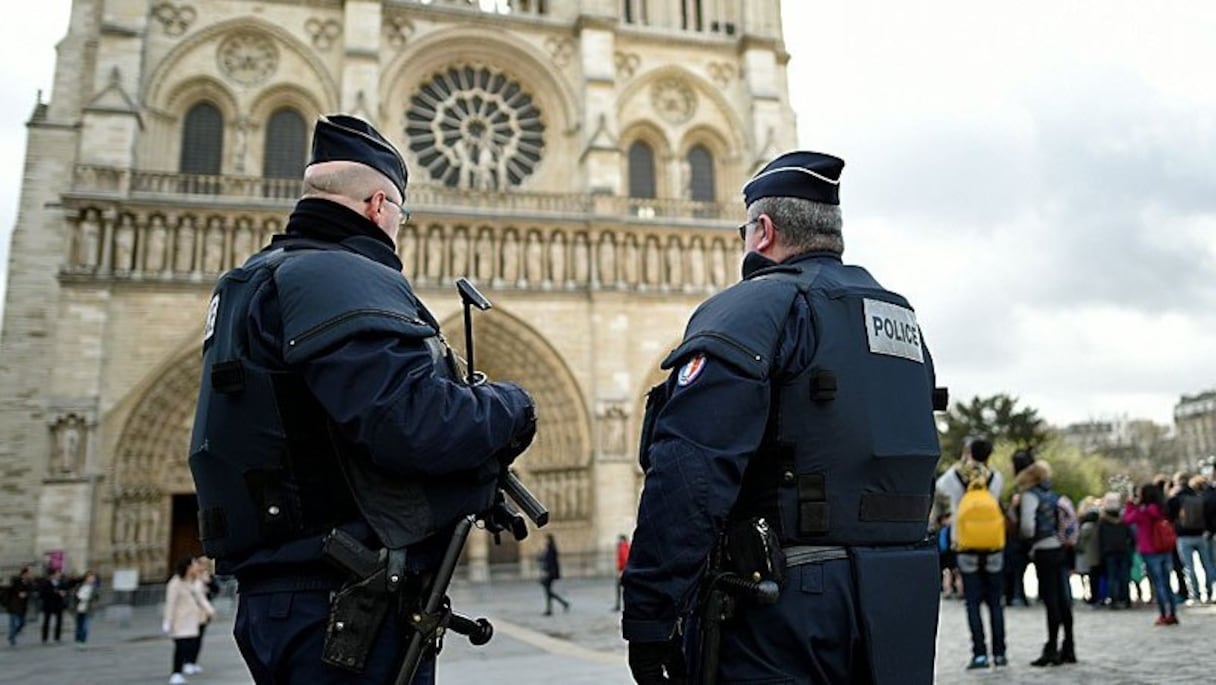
column 68, row 446
column 242, row 240
column 718, row 263
column 88, row 241
column 534, row 259
column 407, row 248
column 557, row 257
column 510, row 257
column 183, row 261
column 124, row 244
column 606, row 260
column 696, row 265
column 652, row 261
column 629, row 261
column 154, row 257
column 484, row 254
column 483, row 172
column 460, row 252
column 434, row 254
column 675, row 262
column 582, row 260
column 213, row 251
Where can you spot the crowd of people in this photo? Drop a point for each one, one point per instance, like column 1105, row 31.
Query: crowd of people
column 1162, row 532
column 50, row 595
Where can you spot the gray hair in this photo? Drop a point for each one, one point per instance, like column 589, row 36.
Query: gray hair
column 349, row 180
column 806, row 226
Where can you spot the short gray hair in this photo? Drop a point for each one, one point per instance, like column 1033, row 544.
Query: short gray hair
column 351, row 180
column 805, row 225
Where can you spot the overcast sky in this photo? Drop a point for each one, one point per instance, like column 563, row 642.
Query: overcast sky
column 1038, row 178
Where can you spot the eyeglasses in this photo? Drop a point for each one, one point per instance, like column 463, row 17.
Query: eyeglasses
column 405, row 213
column 743, row 230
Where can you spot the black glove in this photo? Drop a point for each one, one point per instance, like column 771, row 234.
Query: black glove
column 655, row 663
column 523, row 436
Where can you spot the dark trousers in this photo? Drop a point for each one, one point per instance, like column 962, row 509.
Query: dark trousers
column 617, row 606
column 1118, row 567
column 982, row 587
column 280, row 635
column 184, row 649
column 1052, row 574
column 202, row 630
column 550, row 595
column 46, row 624
column 1158, row 568
column 16, row 622
column 82, row 627
column 1016, row 561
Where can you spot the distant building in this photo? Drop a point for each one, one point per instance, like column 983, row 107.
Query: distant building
column 1125, row 439
column 1195, row 421
column 1093, row 436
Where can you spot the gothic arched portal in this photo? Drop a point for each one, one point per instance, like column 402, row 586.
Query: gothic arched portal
column 151, row 469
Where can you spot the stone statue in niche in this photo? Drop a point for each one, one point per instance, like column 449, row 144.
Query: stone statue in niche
column 460, row 253
column 652, row 262
column 183, row 261
column 242, row 241
column 154, row 258
column 696, row 264
column 434, row 254
column 213, row 254
column 484, row 254
column 606, row 260
column 675, row 263
column 718, row 263
column 534, row 258
column 124, row 245
column 510, row 257
column 582, row 260
column 612, row 418
column 557, row 257
column 629, row 262
column 407, row 250
column 69, row 440
column 87, row 241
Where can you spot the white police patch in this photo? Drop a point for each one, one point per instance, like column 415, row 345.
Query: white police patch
column 212, row 313
column 891, row 329
column 690, row 371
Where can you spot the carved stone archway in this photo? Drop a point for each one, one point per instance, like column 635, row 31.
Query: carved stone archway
column 150, row 466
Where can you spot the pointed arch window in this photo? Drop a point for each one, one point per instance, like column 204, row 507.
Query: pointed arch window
column 286, row 143
column 641, row 170
column 202, row 140
column 701, row 174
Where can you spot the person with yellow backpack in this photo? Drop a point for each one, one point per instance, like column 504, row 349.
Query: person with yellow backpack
column 978, row 535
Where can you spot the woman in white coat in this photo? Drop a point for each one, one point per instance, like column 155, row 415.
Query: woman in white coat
column 185, row 609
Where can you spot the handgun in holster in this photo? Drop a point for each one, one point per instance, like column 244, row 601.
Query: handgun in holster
column 358, row 608
column 747, row 567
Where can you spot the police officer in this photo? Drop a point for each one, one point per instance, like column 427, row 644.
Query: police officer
column 794, row 441
column 330, row 400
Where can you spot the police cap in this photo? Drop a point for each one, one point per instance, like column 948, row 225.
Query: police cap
column 339, row 137
column 803, row 174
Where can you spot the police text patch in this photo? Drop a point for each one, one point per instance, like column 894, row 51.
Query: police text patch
column 213, row 311
column 891, row 329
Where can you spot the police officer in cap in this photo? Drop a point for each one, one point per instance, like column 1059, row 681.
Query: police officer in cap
column 793, row 442
column 328, row 401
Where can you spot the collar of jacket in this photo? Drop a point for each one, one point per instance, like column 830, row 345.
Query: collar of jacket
column 329, row 222
column 756, row 264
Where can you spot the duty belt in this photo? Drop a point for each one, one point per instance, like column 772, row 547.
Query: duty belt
column 800, row 555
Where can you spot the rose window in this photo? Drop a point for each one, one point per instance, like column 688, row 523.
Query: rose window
column 475, row 127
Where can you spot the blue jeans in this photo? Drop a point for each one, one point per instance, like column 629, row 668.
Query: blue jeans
column 82, row 627
column 1188, row 547
column 15, row 623
column 1118, row 575
column 1159, row 566
column 983, row 587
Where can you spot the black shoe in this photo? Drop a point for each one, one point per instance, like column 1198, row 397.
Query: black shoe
column 1068, row 653
column 1000, row 660
column 980, row 661
column 1049, row 657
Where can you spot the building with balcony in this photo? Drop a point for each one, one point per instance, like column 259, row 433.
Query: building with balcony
column 579, row 160
column 1195, row 425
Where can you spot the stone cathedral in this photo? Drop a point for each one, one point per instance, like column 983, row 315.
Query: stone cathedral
column 580, row 160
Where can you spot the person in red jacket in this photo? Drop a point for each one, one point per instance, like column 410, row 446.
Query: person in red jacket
column 622, row 558
column 1144, row 512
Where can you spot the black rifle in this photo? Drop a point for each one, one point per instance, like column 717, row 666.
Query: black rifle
column 435, row 615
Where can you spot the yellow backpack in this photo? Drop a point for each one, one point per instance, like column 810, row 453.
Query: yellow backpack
column 979, row 522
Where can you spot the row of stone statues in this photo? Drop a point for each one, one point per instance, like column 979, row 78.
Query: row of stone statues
column 159, row 246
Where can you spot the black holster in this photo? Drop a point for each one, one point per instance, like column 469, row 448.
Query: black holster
column 356, row 613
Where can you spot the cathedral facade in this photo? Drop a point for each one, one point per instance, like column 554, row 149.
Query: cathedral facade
column 580, row 160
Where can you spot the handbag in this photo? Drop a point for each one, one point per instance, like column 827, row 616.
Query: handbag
column 1163, row 536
